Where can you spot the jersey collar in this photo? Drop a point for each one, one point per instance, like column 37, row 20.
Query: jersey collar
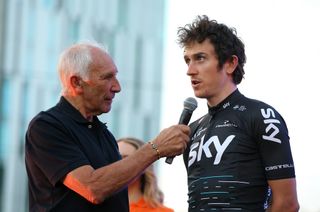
column 227, row 102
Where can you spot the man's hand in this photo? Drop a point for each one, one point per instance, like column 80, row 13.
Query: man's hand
column 172, row 141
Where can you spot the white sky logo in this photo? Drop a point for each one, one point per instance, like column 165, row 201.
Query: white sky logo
column 271, row 125
column 204, row 147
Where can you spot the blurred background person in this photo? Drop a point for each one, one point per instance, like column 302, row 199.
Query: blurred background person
column 144, row 193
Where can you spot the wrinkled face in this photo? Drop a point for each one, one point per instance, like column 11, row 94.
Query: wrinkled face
column 102, row 84
column 207, row 79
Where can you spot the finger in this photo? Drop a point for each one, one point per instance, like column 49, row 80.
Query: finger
column 186, row 139
column 184, row 128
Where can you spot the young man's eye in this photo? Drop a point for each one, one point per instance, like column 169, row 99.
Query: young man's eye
column 200, row 57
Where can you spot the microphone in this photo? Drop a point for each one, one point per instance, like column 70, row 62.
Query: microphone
column 189, row 105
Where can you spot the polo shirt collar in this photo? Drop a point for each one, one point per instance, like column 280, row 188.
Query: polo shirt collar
column 72, row 112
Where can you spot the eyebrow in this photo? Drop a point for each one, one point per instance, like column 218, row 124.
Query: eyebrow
column 195, row 55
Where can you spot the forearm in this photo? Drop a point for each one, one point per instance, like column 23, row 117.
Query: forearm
column 284, row 195
column 96, row 185
column 288, row 207
column 110, row 179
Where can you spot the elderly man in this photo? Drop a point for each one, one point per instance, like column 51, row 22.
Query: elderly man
column 72, row 159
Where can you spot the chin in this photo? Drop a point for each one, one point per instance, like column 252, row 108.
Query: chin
column 106, row 110
column 199, row 94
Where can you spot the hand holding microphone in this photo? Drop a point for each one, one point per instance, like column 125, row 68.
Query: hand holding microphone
column 189, row 105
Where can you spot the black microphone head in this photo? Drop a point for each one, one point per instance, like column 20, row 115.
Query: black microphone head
column 190, row 104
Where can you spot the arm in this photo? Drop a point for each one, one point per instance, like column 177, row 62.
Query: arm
column 276, row 155
column 96, row 185
column 284, row 195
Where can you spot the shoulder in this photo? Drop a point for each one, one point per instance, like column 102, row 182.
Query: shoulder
column 45, row 116
column 166, row 209
column 141, row 206
column 253, row 103
column 256, row 109
column 199, row 121
column 45, row 122
column 263, row 119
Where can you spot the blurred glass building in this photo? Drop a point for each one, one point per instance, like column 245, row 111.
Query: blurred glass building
column 34, row 32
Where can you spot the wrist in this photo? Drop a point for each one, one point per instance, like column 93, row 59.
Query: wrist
column 155, row 148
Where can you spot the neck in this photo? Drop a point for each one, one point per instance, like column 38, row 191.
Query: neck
column 77, row 103
column 216, row 99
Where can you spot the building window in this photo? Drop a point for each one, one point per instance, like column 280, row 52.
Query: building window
column 137, row 76
column 123, row 13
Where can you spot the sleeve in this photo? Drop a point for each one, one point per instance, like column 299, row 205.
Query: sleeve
column 51, row 148
column 274, row 143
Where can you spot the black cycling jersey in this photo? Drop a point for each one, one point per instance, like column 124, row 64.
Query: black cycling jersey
column 234, row 149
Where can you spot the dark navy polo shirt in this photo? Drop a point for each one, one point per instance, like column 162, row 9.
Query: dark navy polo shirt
column 58, row 141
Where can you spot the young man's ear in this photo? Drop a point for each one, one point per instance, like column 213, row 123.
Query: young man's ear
column 231, row 65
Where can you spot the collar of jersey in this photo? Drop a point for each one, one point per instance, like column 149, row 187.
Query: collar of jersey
column 73, row 113
column 227, row 102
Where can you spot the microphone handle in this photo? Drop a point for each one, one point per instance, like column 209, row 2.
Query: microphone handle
column 184, row 119
column 169, row 160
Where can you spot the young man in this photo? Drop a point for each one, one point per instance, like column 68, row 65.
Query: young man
column 72, row 159
column 240, row 150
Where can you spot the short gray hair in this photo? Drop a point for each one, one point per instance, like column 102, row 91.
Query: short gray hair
column 76, row 60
